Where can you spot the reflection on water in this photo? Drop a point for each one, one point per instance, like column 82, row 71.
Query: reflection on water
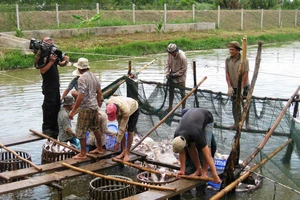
column 21, row 98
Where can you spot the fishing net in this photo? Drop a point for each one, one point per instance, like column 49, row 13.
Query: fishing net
column 153, row 99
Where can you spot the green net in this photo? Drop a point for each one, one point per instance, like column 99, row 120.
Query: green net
column 153, row 99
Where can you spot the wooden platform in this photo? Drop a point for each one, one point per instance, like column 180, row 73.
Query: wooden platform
column 55, row 172
column 53, row 177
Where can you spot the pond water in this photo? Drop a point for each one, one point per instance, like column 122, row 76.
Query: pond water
column 21, row 100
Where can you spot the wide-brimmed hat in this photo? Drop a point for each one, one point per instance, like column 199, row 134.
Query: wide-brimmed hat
column 76, row 73
column 68, row 100
column 172, row 48
column 111, row 111
column 234, row 44
column 82, row 63
column 178, row 144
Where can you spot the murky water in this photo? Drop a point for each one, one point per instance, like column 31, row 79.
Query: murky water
column 21, row 100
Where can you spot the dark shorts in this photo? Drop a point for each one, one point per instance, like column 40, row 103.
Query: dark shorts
column 133, row 121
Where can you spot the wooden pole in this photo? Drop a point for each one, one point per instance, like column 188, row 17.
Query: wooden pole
column 167, row 174
column 253, row 81
column 129, row 67
column 228, row 188
column 60, row 143
column 122, row 81
column 118, row 179
column 195, row 83
column 19, row 157
column 169, row 114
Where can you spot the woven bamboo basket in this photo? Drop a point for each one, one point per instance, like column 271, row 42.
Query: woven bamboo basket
column 10, row 162
column 145, row 177
column 104, row 189
column 49, row 156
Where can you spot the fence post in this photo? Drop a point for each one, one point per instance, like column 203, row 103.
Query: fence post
column 133, row 13
column 279, row 19
column 97, row 12
column 296, row 18
column 242, row 19
column 193, row 9
column 165, row 16
column 219, row 16
column 97, row 8
column 262, row 19
column 17, row 15
column 57, row 15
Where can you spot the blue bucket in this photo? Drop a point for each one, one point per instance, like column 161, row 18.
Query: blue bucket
column 111, row 141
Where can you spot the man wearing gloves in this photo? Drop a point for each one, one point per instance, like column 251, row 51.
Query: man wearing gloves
column 232, row 64
column 175, row 70
column 125, row 110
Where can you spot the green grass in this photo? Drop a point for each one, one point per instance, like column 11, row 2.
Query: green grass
column 218, row 39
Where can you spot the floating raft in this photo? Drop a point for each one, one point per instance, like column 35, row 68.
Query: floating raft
column 51, row 173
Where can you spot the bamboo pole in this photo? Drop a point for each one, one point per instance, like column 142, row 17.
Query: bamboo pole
column 122, row 81
column 169, row 114
column 167, row 174
column 60, row 143
column 228, row 188
column 269, row 133
column 253, row 81
column 119, row 179
column 19, row 157
column 195, row 83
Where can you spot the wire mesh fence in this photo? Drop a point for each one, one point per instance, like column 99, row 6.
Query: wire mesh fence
column 37, row 17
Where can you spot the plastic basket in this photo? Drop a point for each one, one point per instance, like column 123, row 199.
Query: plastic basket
column 220, row 165
column 111, row 141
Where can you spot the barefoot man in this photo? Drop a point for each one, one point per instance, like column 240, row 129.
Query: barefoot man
column 190, row 137
column 125, row 110
column 89, row 99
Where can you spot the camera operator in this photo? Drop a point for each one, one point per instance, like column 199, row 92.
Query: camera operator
column 50, row 90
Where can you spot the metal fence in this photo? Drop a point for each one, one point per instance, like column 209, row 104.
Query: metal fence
column 15, row 17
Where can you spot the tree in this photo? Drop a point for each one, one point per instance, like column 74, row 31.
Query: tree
column 89, row 23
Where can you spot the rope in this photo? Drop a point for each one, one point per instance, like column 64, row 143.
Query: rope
column 16, row 77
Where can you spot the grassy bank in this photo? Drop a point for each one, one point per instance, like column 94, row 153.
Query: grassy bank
column 139, row 44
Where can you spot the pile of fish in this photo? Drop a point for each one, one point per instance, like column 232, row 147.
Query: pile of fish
column 56, row 148
column 157, row 151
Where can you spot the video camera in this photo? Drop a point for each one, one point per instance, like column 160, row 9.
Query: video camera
column 46, row 49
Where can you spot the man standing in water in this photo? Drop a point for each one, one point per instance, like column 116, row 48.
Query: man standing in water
column 89, row 99
column 232, row 64
column 175, row 70
column 50, row 88
column 190, row 137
